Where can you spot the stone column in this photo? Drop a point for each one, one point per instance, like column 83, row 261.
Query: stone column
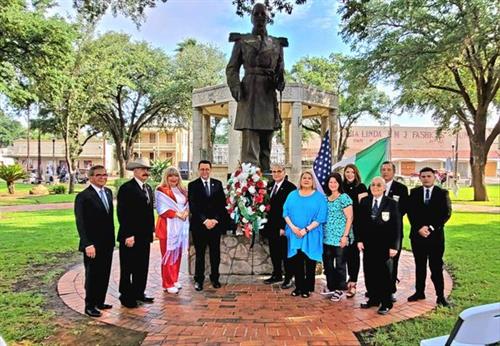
column 196, row 135
column 234, row 139
column 296, row 141
column 333, row 125
column 286, row 139
column 324, row 125
column 205, row 136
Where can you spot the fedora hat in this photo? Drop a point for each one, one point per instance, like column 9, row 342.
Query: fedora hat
column 140, row 162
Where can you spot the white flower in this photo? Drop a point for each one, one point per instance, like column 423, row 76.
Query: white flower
column 231, row 199
column 244, row 220
column 263, row 221
column 255, row 177
column 250, row 211
column 233, row 215
column 262, row 208
column 251, row 189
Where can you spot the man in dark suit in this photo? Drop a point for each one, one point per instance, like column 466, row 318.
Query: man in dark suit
column 135, row 214
column 398, row 192
column 274, row 229
column 207, row 204
column 94, row 221
column 379, row 239
column 429, row 209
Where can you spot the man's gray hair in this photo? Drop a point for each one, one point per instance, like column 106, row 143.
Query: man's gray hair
column 278, row 165
column 92, row 170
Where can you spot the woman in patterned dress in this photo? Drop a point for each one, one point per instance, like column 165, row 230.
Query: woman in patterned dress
column 337, row 235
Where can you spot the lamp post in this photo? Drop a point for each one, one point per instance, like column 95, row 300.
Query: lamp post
column 53, row 158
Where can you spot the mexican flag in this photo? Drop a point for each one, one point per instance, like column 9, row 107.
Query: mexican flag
column 368, row 160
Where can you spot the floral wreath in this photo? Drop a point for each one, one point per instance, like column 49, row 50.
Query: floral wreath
column 247, row 199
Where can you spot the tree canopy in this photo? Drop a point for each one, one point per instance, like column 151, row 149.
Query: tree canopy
column 441, row 55
column 10, row 129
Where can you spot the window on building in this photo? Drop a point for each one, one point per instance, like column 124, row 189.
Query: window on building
column 152, row 138
column 151, row 156
column 170, row 138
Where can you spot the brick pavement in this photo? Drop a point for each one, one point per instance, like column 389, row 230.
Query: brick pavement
column 246, row 312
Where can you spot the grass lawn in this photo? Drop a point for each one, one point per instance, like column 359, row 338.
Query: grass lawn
column 36, row 247
column 466, row 195
column 472, row 256
column 22, row 195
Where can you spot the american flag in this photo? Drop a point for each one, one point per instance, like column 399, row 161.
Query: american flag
column 323, row 163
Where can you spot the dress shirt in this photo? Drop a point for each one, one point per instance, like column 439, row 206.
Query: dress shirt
column 208, row 184
column 378, row 199
column 430, row 191
column 388, row 187
column 276, row 187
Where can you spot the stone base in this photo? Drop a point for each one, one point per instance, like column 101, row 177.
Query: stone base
column 236, row 257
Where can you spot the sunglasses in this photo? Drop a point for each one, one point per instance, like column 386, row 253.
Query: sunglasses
column 101, row 175
column 377, row 184
column 277, row 171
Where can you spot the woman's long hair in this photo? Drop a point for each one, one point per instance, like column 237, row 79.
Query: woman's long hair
column 169, row 172
column 357, row 175
column 338, row 178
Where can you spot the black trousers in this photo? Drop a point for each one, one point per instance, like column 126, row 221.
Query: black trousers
column 256, row 148
column 432, row 250
column 134, row 266
column 378, row 280
column 335, row 267
column 278, row 249
column 353, row 262
column 202, row 239
column 97, row 271
column 395, row 265
column 304, row 270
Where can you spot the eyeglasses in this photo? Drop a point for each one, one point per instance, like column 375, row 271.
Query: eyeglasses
column 105, row 175
column 277, row 171
column 377, row 184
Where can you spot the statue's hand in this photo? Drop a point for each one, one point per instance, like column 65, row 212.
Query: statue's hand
column 236, row 92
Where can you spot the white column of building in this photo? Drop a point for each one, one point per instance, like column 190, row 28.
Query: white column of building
column 296, row 141
column 196, row 134
column 286, row 140
column 333, row 125
column 205, row 136
column 234, row 139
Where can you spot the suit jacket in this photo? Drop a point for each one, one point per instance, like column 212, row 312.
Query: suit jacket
column 401, row 191
column 435, row 214
column 204, row 207
column 275, row 220
column 95, row 225
column 135, row 214
column 382, row 233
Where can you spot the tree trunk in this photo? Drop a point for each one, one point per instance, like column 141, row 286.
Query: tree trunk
column 72, row 170
column 11, row 187
column 121, row 160
column 478, row 164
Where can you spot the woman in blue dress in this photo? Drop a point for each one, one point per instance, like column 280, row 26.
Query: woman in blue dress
column 304, row 212
column 337, row 235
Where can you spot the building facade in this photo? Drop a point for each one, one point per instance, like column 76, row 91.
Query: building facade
column 163, row 144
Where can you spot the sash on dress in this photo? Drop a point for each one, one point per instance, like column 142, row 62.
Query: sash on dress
column 177, row 230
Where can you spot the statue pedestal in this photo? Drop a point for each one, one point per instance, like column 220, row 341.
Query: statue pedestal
column 236, row 257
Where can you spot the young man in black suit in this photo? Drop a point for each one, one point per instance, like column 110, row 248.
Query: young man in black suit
column 379, row 238
column 398, row 192
column 207, row 203
column 274, row 229
column 95, row 225
column 429, row 209
column 135, row 214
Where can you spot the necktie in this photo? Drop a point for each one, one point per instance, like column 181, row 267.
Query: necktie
column 104, row 199
column 275, row 189
column 207, row 189
column 375, row 209
column 427, row 196
column 145, row 189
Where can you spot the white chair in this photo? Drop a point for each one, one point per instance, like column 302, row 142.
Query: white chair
column 479, row 325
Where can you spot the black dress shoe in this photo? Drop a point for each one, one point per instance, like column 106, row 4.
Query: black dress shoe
column 393, row 298
column 286, row 284
column 416, row 296
column 442, row 301
column 216, row 284
column 131, row 304
column 295, row 293
column 93, row 312
column 104, row 306
column 383, row 310
column 273, row 279
column 198, row 286
column 147, row 300
column 369, row 304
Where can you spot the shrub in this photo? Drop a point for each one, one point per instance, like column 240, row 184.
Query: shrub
column 157, row 168
column 12, row 173
column 58, row 189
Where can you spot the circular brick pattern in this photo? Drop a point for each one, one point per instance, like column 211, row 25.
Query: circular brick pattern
column 247, row 312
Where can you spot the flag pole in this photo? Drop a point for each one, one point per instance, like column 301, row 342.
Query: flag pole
column 390, row 137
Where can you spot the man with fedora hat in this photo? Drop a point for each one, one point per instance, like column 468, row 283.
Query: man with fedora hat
column 135, row 214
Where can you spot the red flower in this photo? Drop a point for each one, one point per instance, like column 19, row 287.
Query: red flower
column 260, row 184
column 237, row 185
column 262, row 191
column 268, row 207
column 259, row 199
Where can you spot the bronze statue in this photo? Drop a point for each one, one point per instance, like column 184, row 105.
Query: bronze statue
column 257, row 115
